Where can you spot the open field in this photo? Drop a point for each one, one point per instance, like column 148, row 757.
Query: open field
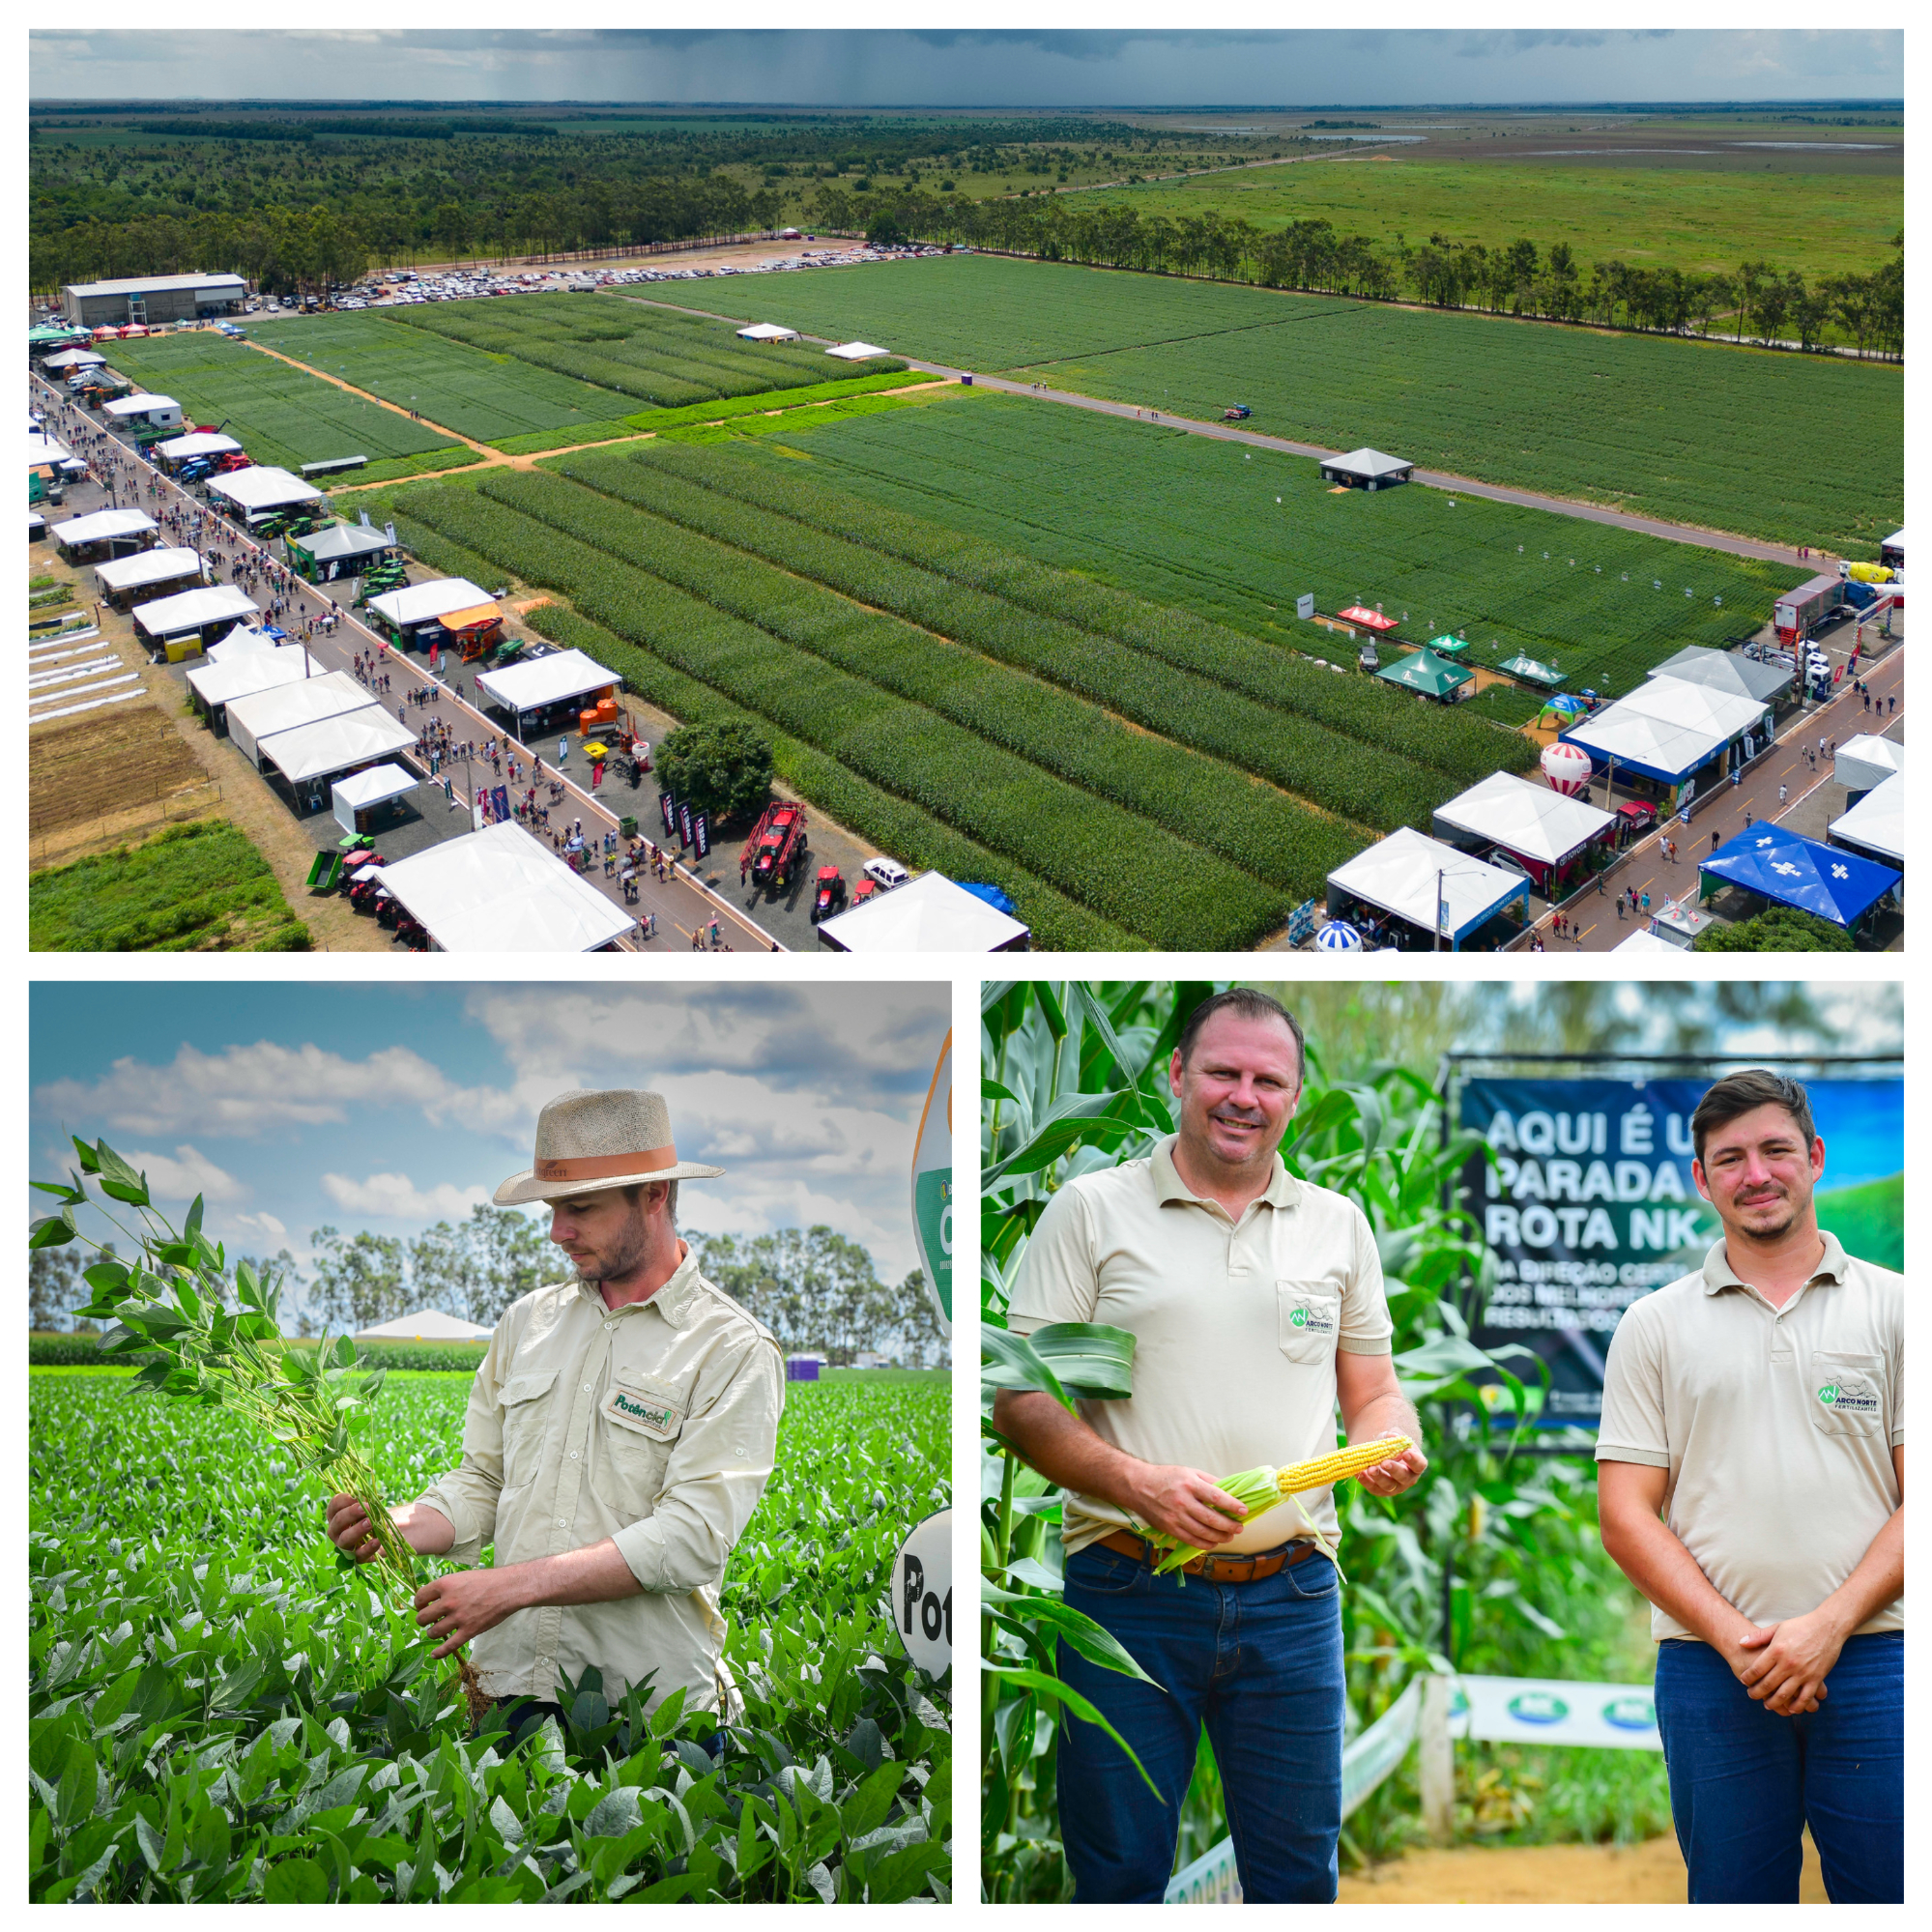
column 118, row 772
column 1646, row 210
column 1684, row 430
column 198, row 888
column 1235, row 535
column 215, row 1716
column 281, row 415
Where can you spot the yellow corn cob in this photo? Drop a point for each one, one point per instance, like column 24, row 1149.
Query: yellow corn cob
column 1350, row 1461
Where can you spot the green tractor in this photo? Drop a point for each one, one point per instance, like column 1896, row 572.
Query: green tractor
column 380, row 579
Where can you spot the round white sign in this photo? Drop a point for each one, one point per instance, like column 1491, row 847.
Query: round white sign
column 922, row 1594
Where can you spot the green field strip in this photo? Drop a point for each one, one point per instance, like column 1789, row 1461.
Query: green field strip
column 1254, row 829
column 1316, row 766
column 1122, row 867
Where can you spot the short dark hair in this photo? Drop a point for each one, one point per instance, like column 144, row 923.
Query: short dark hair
column 1250, row 1004
column 632, row 1191
column 1738, row 1094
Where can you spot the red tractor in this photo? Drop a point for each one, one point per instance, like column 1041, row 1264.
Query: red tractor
column 831, row 894
column 776, row 847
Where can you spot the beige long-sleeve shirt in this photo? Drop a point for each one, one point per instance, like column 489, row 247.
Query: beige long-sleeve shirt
column 655, row 1425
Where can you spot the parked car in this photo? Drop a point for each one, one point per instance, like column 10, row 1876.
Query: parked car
column 886, row 873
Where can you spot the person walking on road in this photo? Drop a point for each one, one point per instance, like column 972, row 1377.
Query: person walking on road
column 1781, row 795
column 1211, row 1254
column 1781, row 1670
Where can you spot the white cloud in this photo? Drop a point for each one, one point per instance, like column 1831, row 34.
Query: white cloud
column 397, row 1197
column 261, row 1227
column 244, row 1090
column 184, row 1175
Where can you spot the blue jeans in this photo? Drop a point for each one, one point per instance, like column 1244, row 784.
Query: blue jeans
column 1260, row 1665
column 1745, row 1783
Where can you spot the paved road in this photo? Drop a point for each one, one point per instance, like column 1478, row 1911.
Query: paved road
column 1597, row 927
column 684, row 905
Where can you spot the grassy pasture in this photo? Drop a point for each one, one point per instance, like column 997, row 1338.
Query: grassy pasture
column 1797, row 449
column 1193, row 523
column 281, row 415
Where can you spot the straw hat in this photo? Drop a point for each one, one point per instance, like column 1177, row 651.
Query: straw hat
column 586, row 1140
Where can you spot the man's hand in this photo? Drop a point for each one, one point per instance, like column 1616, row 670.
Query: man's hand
column 1391, row 1478
column 1186, row 1504
column 1785, row 1666
column 349, row 1529
column 465, row 1603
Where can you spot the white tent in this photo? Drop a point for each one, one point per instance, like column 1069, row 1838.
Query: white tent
column 423, row 603
column 328, row 745
column 929, row 914
column 218, row 684
column 768, row 331
column 1863, row 764
column 253, row 720
column 155, row 409
column 43, row 450
column 74, row 358
column 376, row 786
column 1645, row 941
column 1667, row 729
column 541, row 681
column 195, row 610
column 202, row 443
column 857, row 351
column 1876, row 823
column 426, row 1324
column 259, row 489
column 148, row 567
column 1405, row 874
column 240, row 643
column 102, row 526
column 499, row 891
column 1532, row 821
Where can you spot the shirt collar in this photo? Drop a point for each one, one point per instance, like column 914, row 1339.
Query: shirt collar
column 1718, row 1274
column 1281, row 1190
column 673, row 1301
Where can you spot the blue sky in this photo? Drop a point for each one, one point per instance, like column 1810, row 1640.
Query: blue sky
column 292, row 1106
column 1021, row 67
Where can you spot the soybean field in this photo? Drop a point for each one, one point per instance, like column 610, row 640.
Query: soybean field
column 281, row 415
column 218, row 1711
column 1800, row 449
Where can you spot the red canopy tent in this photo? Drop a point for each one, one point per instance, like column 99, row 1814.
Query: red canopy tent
column 1355, row 614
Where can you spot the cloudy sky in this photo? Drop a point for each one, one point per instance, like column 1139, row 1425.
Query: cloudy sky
column 1009, row 67
column 291, row 1107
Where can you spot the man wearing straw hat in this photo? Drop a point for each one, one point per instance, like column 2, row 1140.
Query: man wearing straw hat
column 619, row 1433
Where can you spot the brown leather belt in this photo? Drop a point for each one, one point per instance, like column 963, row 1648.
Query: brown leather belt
column 1215, row 1569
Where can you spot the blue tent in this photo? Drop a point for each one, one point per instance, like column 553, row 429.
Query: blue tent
column 992, row 896
column 1791, row 871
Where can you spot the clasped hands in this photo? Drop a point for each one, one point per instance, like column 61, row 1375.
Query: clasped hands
column 1784, row 1665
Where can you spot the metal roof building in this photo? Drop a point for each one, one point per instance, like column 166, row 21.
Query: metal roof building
column 152, row 298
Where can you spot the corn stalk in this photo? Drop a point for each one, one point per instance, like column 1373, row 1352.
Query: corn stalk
column 173, row 1303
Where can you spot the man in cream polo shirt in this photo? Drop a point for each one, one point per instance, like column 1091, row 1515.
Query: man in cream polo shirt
column 1256, row 1305
column 1751, row 1483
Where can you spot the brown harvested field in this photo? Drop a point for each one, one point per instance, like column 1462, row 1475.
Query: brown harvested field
column 106, row 779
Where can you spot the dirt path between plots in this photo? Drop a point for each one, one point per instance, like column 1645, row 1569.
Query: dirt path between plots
column 1650, row 1873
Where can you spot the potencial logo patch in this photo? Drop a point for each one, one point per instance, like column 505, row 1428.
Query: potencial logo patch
column 1536, row 1707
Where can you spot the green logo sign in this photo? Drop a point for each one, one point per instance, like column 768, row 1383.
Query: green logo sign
column 933, row 1204
column 1536, row 1707
column 1828, row 1394
column 1299, row 1319
column 1631, row 1713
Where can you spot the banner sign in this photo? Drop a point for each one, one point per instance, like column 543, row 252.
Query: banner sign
column 933, row 1187
column 1589, row 1203
column 684, row 823
column 922, row 1594
column 1532, row 1711
column 668, row 805
column 701, row 834
column 499, row 802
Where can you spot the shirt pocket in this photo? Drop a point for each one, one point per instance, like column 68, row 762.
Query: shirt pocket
column 1310, row 1316
column 640, row 1422
column 526, row 1413
column 1847, row 1394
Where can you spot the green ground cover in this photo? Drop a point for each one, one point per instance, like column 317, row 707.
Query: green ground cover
column 1869, row 1220
column 1677, row 215
column 215, row 1713
column 1197, row 524
column 281, row 415
column 476, row 395
column 199, row 887
column 1692, row 432
column 1124, row 868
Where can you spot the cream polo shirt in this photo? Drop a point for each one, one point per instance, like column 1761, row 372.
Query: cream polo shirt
column 1777, row 1425
column 655, row 1425
column 1236, row 1324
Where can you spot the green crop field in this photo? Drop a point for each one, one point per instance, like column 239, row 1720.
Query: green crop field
column 476, row 395
column 1674, row 215
column 1238, row 535
column 281, row 415
column 216, row 1711
column 1792, row 448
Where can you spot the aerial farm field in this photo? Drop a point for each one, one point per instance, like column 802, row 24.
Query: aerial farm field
column 1802, row 449
column 219, row 1713
column 1237, row 535
column 280, row 414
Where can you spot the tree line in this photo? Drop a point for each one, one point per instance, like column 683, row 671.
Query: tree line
column 819, row 1292
column 1763, row 302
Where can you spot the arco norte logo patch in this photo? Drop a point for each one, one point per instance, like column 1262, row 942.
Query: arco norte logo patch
column 1849, row 1397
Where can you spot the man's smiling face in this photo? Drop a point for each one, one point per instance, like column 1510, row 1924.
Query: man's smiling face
column 1238, row 1088
column 1758, row 1172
